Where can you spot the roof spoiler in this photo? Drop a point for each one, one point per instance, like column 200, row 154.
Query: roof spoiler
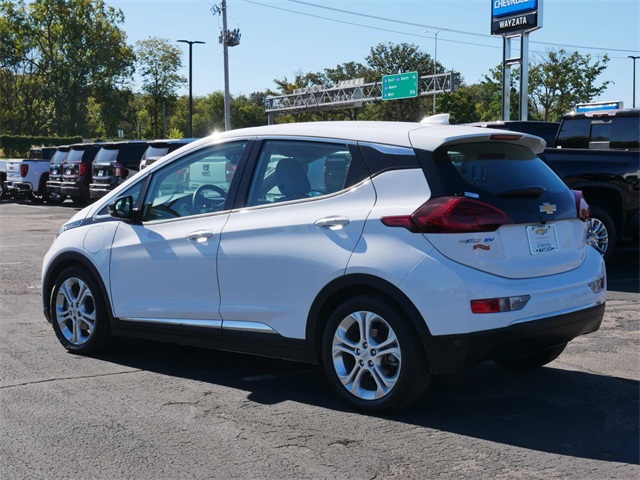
column 440, row 119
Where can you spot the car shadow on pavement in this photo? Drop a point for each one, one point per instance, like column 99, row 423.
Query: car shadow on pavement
column 551, row 410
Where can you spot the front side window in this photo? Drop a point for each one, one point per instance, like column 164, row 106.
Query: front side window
column 295, row 170
column 195, row 184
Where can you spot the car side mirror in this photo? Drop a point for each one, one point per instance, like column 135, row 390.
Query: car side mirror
column 123, row 208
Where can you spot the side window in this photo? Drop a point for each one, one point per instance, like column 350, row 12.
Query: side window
column 294, row 170
column 195, row 184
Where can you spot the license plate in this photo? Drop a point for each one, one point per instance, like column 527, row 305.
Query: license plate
column 542, row 239
column 101, row 173
column 67, row 171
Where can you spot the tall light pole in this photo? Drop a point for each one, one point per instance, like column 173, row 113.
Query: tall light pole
column 435, row 63
column 228, row 38
column 190, row 42
column 634, row 58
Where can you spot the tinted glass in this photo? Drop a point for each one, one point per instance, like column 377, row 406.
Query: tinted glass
column 106, row 155
column 59, row 157
column 601, row 131
column 156, row 151
column 294, row 170
column 508, row 176
column 75, row 156
column 625, row 132
column 574, row 133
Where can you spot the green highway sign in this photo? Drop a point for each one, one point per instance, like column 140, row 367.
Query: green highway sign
column 402, row 85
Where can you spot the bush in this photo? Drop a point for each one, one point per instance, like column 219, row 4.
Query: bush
column 17, row 146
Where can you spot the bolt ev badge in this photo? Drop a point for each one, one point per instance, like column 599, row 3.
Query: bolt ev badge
column 547, row 208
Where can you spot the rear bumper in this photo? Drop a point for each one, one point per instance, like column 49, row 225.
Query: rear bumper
column 448, row 353
column 74, row 189
column 99, row 190
column 54, row 186
column 12, row 186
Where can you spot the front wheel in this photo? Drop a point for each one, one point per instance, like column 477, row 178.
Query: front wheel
column 78, row 312
column 534, row 360
column 371, row 355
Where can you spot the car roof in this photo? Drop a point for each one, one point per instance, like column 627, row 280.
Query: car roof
column 426, row 136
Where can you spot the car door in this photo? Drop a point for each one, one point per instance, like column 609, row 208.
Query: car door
column 302, row 216
column 163, row 268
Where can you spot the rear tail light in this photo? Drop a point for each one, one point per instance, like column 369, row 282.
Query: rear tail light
column 83, row 168
column 451, row 215
column 582, row 206
column 24, row 169
column 498, row 305
column 117, row 170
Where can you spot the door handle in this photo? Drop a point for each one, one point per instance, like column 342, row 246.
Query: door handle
column 333, row 223
column 200, row 236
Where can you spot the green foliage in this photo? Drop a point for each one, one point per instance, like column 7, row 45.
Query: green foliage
column 15, row 146
column 561, row 80
column 59, row 54
column 158, row 64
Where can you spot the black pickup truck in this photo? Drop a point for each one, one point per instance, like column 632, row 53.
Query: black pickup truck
column 597, row 152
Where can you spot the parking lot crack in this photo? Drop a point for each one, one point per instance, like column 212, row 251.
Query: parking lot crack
column 59, row 379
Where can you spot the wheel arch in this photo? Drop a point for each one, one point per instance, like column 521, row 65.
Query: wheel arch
column 66, row 260
column 348, row 286
column 608, row 197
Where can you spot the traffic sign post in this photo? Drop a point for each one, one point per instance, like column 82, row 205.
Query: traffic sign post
column 402, row 85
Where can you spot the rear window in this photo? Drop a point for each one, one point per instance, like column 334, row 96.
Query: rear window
column 508, row 176
column 156, row 151
column 574, row 133
column 59, row 157
column 75, row 156
column 106, row 155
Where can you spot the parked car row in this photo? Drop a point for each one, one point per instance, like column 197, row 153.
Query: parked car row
column 82, row 171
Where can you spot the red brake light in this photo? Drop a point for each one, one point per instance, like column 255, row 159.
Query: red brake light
column 83, row 168
column 505, row 136
column 451, row 215
column 24, row 169
column 582, row 206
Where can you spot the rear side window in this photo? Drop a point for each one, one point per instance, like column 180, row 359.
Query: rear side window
column 625, row 132
column 508, row 176
column 295, row 170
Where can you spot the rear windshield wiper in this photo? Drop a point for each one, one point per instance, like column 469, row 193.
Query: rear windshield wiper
column 525, row 192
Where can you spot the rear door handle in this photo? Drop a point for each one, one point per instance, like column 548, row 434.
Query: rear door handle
column 200, row 236
column 333, row 223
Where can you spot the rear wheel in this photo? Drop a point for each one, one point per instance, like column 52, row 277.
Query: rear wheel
column 372, row 357
column 602, row 232
column 78, row 312
column 535, row 360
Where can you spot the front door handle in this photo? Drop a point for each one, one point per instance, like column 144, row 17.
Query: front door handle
column 200, row 236
column 333, row 223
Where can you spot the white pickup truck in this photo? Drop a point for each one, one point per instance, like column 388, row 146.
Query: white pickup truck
column 27, row 179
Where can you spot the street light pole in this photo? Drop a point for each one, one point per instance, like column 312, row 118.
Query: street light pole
column 190, row 42
column 435, row 63
column 634, row 58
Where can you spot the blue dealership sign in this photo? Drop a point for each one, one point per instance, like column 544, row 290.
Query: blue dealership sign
column 501, row 8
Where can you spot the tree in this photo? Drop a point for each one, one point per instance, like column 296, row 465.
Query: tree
column 74, row 48
column 559, row 81
column 158, row 64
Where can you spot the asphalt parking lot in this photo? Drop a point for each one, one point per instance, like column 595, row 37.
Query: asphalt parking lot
column 156, row 411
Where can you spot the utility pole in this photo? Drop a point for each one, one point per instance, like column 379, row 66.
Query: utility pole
column 634, row 58
column 228, row 39
column 190, row 42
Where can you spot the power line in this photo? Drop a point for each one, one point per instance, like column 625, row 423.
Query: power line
column 401, row 22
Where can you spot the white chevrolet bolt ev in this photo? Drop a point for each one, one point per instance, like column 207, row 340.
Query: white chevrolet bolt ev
column 385, row 252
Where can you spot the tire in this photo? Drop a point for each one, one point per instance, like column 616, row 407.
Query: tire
column 602, row 232
column 78, row 312
column 3, row 191
column 55, row 198
column 535, row 360
column 79, row 201
column 363, row 376
column 38, row 198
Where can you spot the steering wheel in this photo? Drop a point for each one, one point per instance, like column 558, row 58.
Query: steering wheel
column 199, row 201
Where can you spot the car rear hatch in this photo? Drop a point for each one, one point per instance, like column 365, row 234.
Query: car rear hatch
column 104, row 165
column 55, row 170
column 498, row 208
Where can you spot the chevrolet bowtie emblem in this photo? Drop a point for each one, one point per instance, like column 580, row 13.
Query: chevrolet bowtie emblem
column 547, row 208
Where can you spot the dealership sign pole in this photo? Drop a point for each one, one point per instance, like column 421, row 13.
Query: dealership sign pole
column 515, row 19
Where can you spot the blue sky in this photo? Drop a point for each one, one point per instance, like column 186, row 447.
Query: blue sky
column 282, row 37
